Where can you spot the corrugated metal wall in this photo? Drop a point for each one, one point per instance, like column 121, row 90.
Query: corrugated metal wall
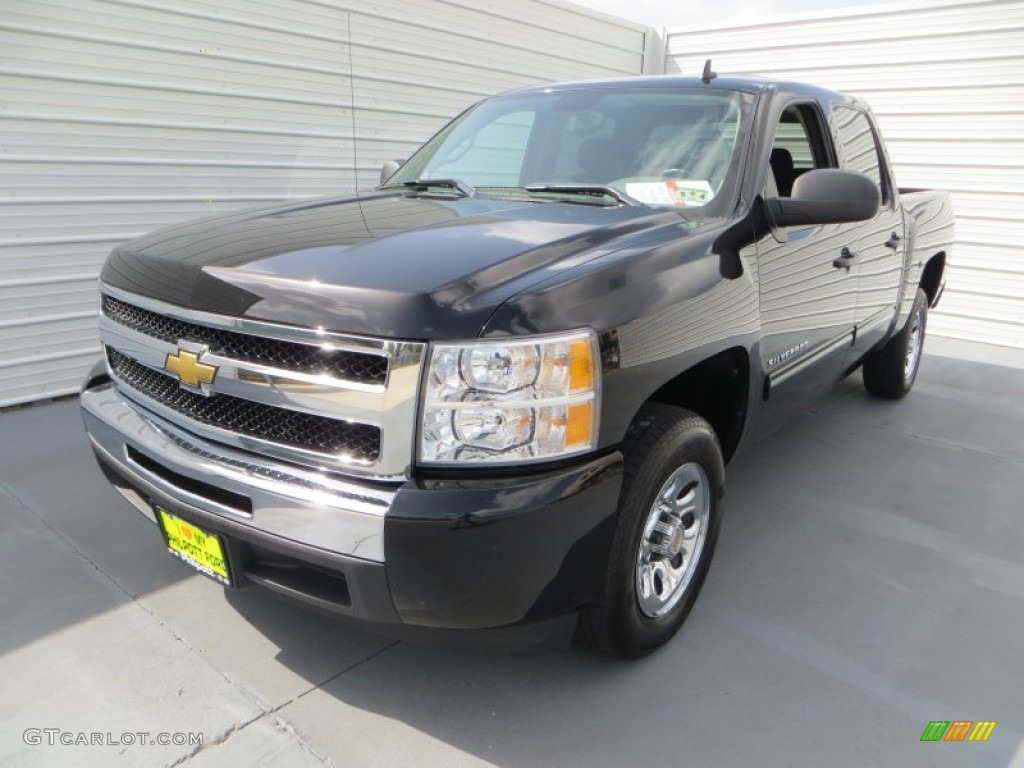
column 120, row 116
column 946, row 80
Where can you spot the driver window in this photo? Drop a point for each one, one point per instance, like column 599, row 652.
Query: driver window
column 795, row 149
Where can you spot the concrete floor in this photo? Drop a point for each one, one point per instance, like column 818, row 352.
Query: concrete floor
column 869, row 578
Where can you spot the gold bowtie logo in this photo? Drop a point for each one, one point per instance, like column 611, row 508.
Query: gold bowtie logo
column 190, row 372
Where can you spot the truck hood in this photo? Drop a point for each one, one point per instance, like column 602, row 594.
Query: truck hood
column 386, row 264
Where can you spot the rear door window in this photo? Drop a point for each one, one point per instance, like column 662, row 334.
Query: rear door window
column 858, row 147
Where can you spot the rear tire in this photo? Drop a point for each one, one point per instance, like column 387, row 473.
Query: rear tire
column 669, row 516
column 890, row 372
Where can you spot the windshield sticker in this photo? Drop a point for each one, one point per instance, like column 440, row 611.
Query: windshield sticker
column 671, row 192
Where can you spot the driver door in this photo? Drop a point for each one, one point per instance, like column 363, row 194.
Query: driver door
column 808, row 302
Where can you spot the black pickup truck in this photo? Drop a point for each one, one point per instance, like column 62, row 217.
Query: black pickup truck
column 503, row 386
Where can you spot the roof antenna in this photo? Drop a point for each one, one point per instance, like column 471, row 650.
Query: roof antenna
column 707, row 76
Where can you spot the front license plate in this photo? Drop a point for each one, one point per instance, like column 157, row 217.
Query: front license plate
column 203, row 551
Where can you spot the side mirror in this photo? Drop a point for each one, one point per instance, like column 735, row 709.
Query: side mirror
column 389, row 168
column 826, row 196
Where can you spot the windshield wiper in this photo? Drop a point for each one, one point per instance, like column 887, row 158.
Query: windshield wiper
column 456, row 185
column 589, row 190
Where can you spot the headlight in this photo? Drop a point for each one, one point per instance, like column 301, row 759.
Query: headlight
column 525, row 399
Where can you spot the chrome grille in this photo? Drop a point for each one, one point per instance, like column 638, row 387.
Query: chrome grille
column 305, row 358
column 360, row 442
column 308, row 396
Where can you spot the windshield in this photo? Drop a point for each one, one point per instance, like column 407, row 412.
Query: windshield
column 674, row 148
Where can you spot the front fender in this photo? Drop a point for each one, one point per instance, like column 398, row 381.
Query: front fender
column 658, row 313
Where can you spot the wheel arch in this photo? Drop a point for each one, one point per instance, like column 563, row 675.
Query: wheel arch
column 718, row 390
column 932, row 277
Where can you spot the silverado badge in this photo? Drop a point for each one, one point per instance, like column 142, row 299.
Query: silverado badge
column 190, row 372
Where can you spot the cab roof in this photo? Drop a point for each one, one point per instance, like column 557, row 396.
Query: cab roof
column 744, row 84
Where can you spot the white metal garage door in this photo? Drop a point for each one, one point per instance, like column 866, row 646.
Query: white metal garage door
column 120, row 116
column 946, row 81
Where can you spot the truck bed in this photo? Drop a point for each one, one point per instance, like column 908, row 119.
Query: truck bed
column 930, row 226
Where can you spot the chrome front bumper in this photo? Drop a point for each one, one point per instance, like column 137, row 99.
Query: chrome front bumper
column 303, row 506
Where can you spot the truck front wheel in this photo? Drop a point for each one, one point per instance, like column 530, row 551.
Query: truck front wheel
column 669, row 515
column 890, row 371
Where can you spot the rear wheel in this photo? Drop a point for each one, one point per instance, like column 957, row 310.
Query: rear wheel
column 890, row 371
column 669, row 516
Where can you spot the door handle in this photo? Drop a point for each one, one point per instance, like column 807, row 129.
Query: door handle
column 893, row 241
column 845, row 259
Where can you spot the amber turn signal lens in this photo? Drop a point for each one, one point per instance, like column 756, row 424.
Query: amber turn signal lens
column 580, row 423
column 581, row 366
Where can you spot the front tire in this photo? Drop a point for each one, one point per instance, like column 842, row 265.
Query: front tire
column 890, row 372
column 669, row 516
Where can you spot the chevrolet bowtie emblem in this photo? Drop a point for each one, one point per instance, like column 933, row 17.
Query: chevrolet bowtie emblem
column 190, row 372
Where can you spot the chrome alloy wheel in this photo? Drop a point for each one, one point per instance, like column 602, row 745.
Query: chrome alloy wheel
column 672, row 540
column 914, row 345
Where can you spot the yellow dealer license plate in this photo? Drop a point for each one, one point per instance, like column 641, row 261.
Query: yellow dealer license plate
column 203, row 551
